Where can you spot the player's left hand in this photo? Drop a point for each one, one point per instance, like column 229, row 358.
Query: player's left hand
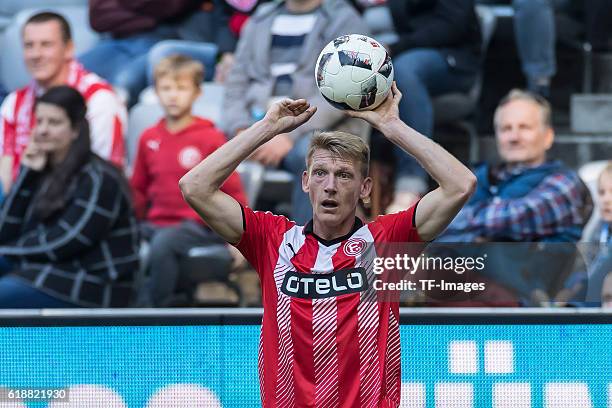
column 384, row 113
column 274, row 151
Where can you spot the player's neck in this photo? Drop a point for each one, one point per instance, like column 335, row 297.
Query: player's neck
column 331, row 232
column 176, row 124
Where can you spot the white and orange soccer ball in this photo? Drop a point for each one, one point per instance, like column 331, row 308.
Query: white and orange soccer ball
column 354, row 72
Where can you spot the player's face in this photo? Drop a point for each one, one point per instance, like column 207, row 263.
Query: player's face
column 522, row 136
column 604, row 191
column 177, row 94
column 335, row 186
column 45, row 52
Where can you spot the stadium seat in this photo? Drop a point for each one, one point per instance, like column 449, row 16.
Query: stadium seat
column 13, row 71
column 8, row 8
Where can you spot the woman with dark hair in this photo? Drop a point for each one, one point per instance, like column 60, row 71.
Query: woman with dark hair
column 68, row 224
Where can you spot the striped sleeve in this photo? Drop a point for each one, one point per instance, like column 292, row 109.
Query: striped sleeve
column 107, row 117
column 87, row 219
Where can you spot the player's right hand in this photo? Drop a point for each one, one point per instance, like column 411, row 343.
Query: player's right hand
column 287, row 115
column 383, row 114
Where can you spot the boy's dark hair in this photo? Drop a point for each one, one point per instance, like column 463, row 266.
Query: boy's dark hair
column 46, row 16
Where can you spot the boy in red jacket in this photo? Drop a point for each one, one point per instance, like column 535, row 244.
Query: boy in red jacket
column 166, row 152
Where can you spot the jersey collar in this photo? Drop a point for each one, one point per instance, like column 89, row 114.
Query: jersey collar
column 308, row 231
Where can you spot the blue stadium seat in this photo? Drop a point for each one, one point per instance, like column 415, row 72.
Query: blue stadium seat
column 8, row 8
column 12, row 69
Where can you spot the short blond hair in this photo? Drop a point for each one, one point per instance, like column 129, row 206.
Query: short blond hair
column 175, row 65
column 606, row 170
column 341, row 144
column 520, row 95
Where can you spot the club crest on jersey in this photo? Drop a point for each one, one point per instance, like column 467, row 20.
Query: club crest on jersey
column 319, row 286
column 354, row 246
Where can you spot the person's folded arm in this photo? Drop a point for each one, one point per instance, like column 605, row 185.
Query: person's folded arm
column 548, row 208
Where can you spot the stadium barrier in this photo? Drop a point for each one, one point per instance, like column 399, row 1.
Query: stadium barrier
column 186, row 358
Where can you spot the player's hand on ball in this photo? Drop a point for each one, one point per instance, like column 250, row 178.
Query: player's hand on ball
column 287, row 115
column 384, row 113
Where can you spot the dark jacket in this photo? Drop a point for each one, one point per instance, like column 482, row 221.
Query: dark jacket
column 449, row 25
column 123, row 18
column 87, row 253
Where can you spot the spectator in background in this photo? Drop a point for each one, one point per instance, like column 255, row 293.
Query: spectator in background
column 68, row 224
column 526, row 198
column 132, row 27
column 210, row 31
column 275, row 57
column 165, row 153
column 48, row 53
column 534, row 30
column 438, row 52
column 585, row 288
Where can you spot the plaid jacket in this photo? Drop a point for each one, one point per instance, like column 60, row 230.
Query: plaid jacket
column 524, row 204
column 88, row 253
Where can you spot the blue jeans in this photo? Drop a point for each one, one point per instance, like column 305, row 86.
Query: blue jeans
column 420, row 75
column 206, row 53
column 16, row 294
column 122, row 61
column 295, row 162
column 534, row 28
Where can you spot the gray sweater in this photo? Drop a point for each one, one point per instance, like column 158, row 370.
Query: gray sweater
column 250, row 82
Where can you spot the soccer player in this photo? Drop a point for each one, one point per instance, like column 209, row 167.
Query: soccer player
column 325, row 342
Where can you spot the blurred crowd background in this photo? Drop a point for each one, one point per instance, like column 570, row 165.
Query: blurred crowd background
column 107, row 103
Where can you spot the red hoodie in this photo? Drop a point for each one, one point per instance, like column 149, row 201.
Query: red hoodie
column 162, row 159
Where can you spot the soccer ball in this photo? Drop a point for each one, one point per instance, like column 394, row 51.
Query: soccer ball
column 354, row 72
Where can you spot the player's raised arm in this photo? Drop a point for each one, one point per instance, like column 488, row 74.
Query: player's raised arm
column 456, row 182
column 201, row 185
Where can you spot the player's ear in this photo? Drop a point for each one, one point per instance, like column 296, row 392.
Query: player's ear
column 305, row 187
column 366, row 188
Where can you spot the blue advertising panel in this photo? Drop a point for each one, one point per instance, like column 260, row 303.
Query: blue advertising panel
column 503, row 365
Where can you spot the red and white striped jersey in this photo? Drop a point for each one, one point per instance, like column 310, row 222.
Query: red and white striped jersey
column 106, row 114
column 326, row 341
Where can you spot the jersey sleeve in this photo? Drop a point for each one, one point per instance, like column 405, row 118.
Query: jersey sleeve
column 262, row 236
column 107, row 117
column 400, row 226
